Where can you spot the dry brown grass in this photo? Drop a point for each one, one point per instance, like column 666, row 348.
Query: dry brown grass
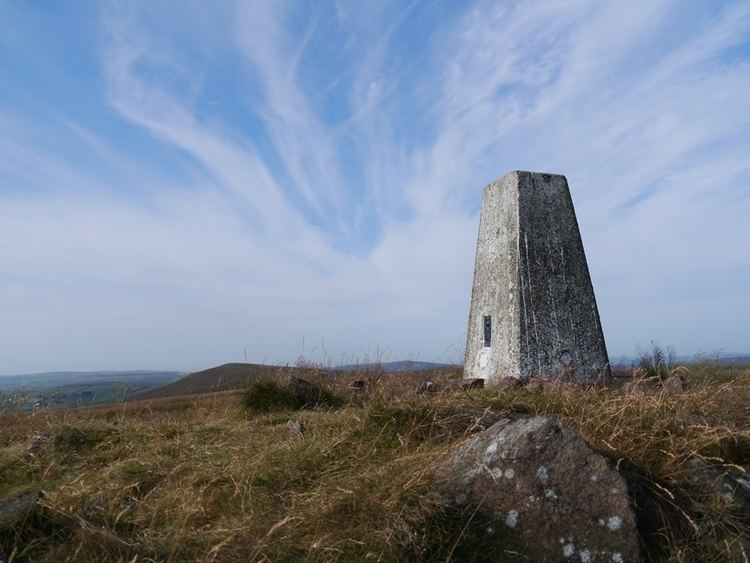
column 195, row 478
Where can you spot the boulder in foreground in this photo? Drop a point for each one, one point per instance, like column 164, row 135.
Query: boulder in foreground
column 541, row 489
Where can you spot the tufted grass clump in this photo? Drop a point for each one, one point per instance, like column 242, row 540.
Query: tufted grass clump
column 272, row 395
column 656, row 361
column 73, row 439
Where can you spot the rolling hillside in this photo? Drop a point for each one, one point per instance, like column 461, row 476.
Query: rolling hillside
column 237, row 375
column 220, row 378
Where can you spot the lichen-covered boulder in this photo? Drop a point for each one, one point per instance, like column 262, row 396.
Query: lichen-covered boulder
column 728, row 482
column 541, row 489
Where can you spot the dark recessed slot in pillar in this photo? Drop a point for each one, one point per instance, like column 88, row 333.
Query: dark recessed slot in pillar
column 487, row 331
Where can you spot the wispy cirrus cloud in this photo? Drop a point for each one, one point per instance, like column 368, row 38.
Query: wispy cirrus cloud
column 246, row 175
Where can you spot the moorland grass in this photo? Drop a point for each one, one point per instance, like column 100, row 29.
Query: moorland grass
column 205, row 478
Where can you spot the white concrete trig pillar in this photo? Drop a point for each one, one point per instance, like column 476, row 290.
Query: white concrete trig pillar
column 533, row 309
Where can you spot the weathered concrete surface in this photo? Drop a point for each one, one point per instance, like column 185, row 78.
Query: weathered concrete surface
column 531, row 278
column 540, row 489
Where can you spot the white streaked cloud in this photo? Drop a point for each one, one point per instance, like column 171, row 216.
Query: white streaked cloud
column 262, row 172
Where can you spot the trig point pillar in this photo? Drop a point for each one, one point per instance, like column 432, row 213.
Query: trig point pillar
column 533, row 310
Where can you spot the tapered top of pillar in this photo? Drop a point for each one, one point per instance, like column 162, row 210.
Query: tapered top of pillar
column 519, row 174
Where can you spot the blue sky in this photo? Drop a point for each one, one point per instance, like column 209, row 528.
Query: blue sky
column 183, row 181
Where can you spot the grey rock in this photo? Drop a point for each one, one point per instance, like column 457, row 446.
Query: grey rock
column 544, row 490
column 730, row 482
column 540, row 382
column 464, row 385
column 360, row 385
column 37, row 444
column 675, row 384
column 295, row 429
column 508, row 383
column 14, row 510
column 533, row 308
column 430, row 388
column 475, row 383
column 427, row 388
column 641, row 386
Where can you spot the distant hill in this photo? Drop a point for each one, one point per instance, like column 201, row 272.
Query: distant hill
column 64, row 389
column 735, row 360
column 724, row 360
column 220, row 378
column 389, row 367
column 237, row 375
